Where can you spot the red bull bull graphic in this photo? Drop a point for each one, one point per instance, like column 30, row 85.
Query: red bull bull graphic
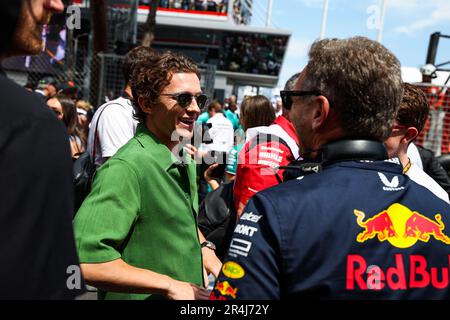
column 214, row 297
column 401, row 227
column 226, row 289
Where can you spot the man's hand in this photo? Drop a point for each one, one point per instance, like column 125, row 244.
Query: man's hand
column 179, row 290
column 211, row 263
column 211, row 180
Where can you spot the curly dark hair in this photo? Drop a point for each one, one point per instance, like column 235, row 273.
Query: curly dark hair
column 134, row 57
column 149, row 78
column 414, row 107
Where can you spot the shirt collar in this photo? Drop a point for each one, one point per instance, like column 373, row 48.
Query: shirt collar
column 166, row 158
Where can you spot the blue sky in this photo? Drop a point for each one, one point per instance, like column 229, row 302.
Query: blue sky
column 407, row 28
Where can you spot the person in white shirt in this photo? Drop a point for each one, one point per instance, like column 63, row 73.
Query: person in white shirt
column 410, row 121
column 220, row 131
column 113, row 124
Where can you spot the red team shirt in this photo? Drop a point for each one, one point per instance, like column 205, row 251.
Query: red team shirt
column 257, row 164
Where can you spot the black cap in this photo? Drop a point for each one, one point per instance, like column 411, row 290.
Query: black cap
column 68, row 87
column 48, row 80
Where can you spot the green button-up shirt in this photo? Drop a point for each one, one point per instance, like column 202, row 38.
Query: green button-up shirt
column 143, row 209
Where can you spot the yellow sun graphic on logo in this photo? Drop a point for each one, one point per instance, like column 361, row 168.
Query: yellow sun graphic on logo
column 401, row 227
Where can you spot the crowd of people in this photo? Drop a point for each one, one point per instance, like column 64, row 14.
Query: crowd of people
column 257, row 54
column 64, row 100
column 220, row 6
column 324, row 198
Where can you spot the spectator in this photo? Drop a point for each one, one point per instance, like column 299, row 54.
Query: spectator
column 85, row 112
column 113, row 122
column 47, row 87
column 266, row 149
column 138, row 239
column 218, row 140
column 321, row 235
column 69, row 89
column 230, row 113
column 278, row 107
column 66, row 111
column 220, row 131
column 409, row 122
column 36, row 235
column 256, row 111
column 433, row 168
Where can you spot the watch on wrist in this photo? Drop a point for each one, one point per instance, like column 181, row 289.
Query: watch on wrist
column 208, row 244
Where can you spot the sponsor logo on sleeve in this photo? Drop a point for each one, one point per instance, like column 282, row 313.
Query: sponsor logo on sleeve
column 245, row 230
column 239, row 247
column 250, row 216
column 233, row 270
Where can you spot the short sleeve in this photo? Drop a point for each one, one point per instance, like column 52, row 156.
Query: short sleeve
column 108, row 213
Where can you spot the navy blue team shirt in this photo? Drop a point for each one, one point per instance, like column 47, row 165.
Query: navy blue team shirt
column 355, row 230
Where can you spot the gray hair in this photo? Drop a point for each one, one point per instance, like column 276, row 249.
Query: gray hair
column 290, row 83
column 361, row 79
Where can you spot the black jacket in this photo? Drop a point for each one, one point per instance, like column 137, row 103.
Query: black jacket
column 38, row 255
column 433, row 168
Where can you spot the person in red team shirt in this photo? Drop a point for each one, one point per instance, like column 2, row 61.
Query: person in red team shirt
column 266, row 149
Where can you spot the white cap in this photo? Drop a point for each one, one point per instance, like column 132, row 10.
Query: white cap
column 429, row 70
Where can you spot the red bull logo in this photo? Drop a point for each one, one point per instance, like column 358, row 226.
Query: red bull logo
column 401, row 227
column 226, row 289
column 411, row 272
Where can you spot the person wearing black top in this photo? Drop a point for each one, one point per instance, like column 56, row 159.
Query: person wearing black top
column 39, row 259
column 433, row 168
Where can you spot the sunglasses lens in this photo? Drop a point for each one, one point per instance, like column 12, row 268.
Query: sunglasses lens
column 201, row 100
column 287, row 101
column 184, row 99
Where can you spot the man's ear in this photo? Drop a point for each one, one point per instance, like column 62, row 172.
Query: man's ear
column 321, row 110
column 410, row 134
column 144, row 105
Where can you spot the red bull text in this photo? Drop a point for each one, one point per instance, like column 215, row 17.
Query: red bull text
column 362, row 276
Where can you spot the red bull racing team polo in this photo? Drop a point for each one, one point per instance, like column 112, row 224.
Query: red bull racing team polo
column 355, row 230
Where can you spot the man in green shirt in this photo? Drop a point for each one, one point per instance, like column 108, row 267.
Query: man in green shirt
column 136, row 232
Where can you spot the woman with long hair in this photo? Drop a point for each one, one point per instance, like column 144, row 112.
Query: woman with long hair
column 66, row 111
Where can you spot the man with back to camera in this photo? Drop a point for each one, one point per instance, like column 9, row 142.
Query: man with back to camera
column 409, row 122
column 114, row 120
column 39, row 260
column 359, row 228
column 138, row 239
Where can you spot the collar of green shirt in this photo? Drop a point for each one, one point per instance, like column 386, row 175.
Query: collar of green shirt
column 167, row 159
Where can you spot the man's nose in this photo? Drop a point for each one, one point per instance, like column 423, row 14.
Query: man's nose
column 193, row 107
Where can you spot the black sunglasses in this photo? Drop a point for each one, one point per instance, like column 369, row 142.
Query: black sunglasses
column 184, row 99
column 286, row 96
